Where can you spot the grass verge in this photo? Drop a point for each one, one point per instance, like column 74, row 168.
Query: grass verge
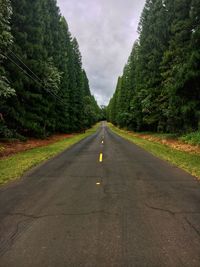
column 14, row 167
column 187, row 161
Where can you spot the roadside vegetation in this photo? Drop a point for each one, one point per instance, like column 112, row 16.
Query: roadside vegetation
column 15, row 166
column 157, row 97
column 159, row 89
column 43, row 87
column 191, row 138
column 188, row 161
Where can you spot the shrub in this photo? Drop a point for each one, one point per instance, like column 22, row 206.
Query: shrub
column 191, row 138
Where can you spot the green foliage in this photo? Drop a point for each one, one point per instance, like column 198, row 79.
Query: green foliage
column 191, row 138
column 44, row 67
column 5, row 89
column 5, row 42
column 52, row 77
column 103, row 113
column 160, row 87
column 91, row 111
column 4, row 131
column 5, row 37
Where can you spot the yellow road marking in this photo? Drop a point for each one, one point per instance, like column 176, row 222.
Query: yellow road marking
column 101, row 157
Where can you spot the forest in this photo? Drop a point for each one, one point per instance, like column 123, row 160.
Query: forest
column 159, row 90
column 43, row 86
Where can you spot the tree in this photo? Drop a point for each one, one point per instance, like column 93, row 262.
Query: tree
column 45, row 69
column 180, row 70
column 6, row 40
column 154, row 32
column 63, row 123
column 91, row 110
column 159, row 89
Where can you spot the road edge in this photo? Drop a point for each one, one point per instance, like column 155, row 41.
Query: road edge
column 183, row 160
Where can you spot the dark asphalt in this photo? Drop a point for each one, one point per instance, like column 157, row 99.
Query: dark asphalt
column 145, row 212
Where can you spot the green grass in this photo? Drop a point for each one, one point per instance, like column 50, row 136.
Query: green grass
column 191, row 138
column 14, row 167
column 189, row 162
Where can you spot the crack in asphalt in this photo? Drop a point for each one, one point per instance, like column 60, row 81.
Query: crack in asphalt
column 32, row 216
column 16, row 232
column 160, row 209
column 6, row 244
column 192, row 226
column 170, row 211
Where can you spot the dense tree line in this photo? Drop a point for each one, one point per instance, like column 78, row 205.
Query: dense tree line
column 43, row 87
column 160, row 86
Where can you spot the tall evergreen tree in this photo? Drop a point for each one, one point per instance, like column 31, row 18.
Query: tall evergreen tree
column 91, row 111
column 113, row 107
column 30, row 111
column 77, row 93
column 178, row 72
column 64, row 59
column 5, row 42
column 45, row 69
column 154, row 37
column 159, row 88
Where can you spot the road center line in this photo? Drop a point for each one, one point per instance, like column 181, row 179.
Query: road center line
column 101, row 157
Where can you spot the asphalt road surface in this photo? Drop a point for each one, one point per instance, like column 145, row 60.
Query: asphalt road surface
column 123, row 207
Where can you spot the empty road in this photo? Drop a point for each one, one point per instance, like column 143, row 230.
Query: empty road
column 104, row 202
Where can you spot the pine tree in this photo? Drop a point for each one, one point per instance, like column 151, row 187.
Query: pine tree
column 6, row 40
column 113, row 107
column 34, row 112
column 159, row 89
column 154, row 37
column 177, row 74
column 62, row 110
column 78, row 93
column 91, row 111
column 45, row 69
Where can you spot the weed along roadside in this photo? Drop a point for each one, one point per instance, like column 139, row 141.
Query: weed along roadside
column 15, row 166
column 189, row 162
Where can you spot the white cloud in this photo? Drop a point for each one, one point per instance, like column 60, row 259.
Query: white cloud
column 106, row 31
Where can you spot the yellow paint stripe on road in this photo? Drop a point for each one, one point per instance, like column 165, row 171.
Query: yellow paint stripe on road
column 101, row 157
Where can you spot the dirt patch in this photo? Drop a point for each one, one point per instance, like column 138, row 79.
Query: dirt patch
column 11, row 148
column 173, row 143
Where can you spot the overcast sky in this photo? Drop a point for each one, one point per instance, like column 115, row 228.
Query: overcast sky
column 106, row 31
